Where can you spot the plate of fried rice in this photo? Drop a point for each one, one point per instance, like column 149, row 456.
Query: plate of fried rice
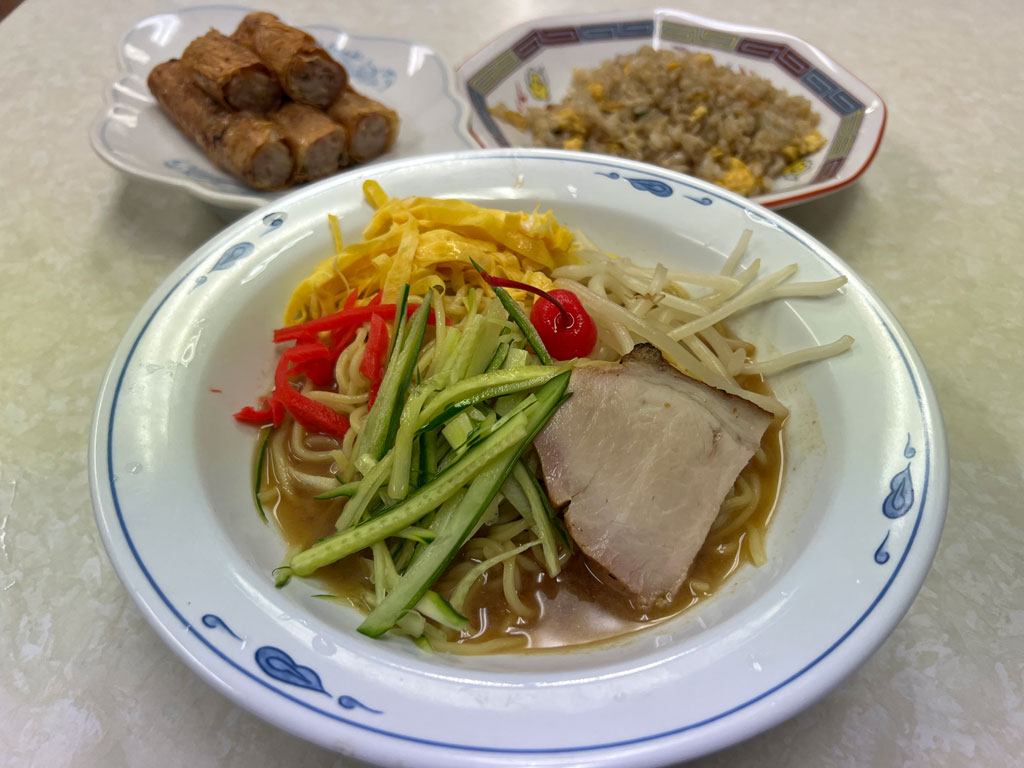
column 759, row 112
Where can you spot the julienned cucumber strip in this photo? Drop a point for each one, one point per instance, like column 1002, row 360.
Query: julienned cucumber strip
column 412, row 343
column 541, row 513
column 499, row 355
column 428, row 456
column 461, row 590
column 482, row 430
column 425, row 570
column 493, row 326
column 401, row 319
column 406, row 513
column 368, row 487
column 519, row 318
column 528, row 375
column 431, row 563
column 435, row 607
column 257, row 473
column 487, row 393
column 398, row 486
column 382, row 423
column 345, row 489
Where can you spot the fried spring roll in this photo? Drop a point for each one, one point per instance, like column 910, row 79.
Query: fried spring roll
column 305, row 70
column 241, row 143
column 371, row 127
column 232, row 74
column 317, row 142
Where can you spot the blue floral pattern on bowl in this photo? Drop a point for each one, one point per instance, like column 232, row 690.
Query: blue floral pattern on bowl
column 899, row 501
column 363, row 70
column 280, row 666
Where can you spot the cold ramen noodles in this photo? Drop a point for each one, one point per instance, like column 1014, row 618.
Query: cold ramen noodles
column 489, row 436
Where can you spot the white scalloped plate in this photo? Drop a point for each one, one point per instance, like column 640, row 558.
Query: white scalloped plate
column 543, row 53
column 134, row 135
column 858, row 522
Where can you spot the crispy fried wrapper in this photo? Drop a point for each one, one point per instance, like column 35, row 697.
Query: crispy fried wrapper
column 318, row 143
column 371, row 127
column 241, row 143
column 306, row 71
column 232, row 74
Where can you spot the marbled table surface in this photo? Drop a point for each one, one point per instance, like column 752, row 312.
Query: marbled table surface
column 936, row 226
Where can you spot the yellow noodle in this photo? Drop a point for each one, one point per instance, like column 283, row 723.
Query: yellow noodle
column 278, row 451
column 510, row 586
column 740, row 518
column 337, row 401
column 507, row 531
column 312, row 484
column 440, row 642
column 755, row 546
column 299, row 449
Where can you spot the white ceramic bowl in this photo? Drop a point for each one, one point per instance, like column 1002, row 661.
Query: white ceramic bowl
column 856, row 528
column 133, row 134
column 531, row 65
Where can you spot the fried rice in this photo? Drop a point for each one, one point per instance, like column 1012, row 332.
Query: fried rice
column 681, row 111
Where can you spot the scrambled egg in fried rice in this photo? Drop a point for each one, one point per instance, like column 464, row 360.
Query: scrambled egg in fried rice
column 681, row 111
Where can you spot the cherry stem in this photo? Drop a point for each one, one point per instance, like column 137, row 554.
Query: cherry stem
column 504, row 282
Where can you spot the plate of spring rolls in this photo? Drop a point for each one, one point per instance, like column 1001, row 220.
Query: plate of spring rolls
column 236, row 106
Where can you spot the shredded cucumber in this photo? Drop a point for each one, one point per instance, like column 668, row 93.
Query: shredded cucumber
column 462, row 521
column 518, row 316
column 345, row 489
column 458, row 430
column 433, row 606
column 398, row 487
column 415, row 506
column 484, row 387
column 461, row 591
column 364, row 496
column 257, row 472
column 540, row 516
column 378, row 432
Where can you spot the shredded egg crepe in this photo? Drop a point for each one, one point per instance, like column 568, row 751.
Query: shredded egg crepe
column 426, row 242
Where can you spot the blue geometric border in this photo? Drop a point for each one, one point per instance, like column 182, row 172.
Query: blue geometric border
column 848, row 107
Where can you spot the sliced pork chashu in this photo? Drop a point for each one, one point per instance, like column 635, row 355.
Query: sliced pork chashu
column 644, row 457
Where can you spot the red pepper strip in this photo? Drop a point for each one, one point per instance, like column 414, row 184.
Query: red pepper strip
column 320, row 372
column 339, row 334
column 313, row 416
column 376, row 300
column 341, row 339
column 303, row 353
column 250, row 415
column 372, row 366
column 342, row 319
column 276, row 411
column 313, row 360
column 374, row 389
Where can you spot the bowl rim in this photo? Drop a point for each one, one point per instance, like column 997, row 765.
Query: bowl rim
column 660, row 744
